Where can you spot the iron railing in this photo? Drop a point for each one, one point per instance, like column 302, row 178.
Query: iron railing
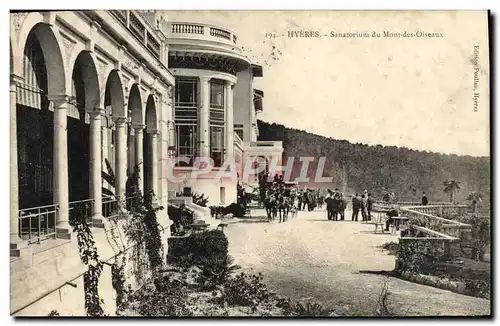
column 89, row 208
column 110, row 206
column 38, row 223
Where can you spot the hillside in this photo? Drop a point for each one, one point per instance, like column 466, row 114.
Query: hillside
column 406, row 172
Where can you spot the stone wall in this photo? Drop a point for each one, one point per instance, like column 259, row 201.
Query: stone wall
column 49, row 276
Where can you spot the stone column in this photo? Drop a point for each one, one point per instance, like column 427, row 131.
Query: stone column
column 120, row 159
column 96, row 161
column 14, row 181
column 139, row 153
column 61, row 196
column 204, row 141
column 153, row 169
column 229, row 120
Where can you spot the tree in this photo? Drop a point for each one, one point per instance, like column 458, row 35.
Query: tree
column 450, row 187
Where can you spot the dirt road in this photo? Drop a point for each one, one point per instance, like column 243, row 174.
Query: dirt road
column 333, row 263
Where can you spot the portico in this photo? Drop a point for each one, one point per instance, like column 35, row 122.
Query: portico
column 73, row 103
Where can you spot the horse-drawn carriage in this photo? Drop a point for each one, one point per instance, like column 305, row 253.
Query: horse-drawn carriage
column 279, row 199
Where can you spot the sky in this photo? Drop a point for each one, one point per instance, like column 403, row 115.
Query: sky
column 394, row 91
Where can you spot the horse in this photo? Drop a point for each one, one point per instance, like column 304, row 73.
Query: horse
column 283, row 207
column 271, row 206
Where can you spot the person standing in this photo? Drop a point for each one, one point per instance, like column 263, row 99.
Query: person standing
column 299, row 199
column 364, row 212
column 355, row 207
column 369, row 206
column 425, row 201
column 329, row 205
column 305, row 199
column 343, row 206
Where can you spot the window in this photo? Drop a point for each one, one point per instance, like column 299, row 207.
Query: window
column 217, row 120
column 217, row 94
column 186, row 118
column 217, row 144
column 186, row 99
column 186, row 142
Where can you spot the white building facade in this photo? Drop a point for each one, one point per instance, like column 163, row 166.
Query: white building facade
column 214, row 108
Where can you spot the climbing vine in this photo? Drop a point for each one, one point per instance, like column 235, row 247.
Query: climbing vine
column 143, row 230
column 90, row 257
column 118, row 282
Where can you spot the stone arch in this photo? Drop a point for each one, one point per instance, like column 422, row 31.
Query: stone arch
column 135, row 105
column 50, row 45
column 114, row 95
column 151, row 116
column 150, row 147
column 85, row 63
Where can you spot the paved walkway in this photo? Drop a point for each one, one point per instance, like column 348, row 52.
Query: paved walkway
column 330, row 262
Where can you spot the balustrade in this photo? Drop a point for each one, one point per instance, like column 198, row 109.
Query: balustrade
column 140, row 29
column 202, row 29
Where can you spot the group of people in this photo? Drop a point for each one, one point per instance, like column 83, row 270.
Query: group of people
column 309, row 199
column 335, row 205
column 362, row 203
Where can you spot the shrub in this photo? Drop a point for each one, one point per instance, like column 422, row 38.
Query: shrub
column 180, row 214
column 169, row 298
column 245, row 290
column 383, row 308
column 215, row 272
column 309, row 309
column 196, row 248
column 200, row 200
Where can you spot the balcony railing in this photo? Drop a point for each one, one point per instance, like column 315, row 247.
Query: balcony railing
column 110, row 206
column 446, row 211
column 38, row 223
column 89, row 208
column 237, row 139
column 430, row 219
column 185, row 112
column 140, row 29
column 187, row 29
column 200, row 31
column 217, row 32
column 265, row 143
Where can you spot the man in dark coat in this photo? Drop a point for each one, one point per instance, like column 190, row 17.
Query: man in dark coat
column 342, row 207
column 425, row 201
column 369, row 206
column 329, row 205
column 392, row 213
column 337, row 202
column 355, row 207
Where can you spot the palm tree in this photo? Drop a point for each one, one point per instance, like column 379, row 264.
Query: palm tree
column 450, row 187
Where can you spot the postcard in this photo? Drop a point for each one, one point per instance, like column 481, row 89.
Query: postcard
column 250, row 163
